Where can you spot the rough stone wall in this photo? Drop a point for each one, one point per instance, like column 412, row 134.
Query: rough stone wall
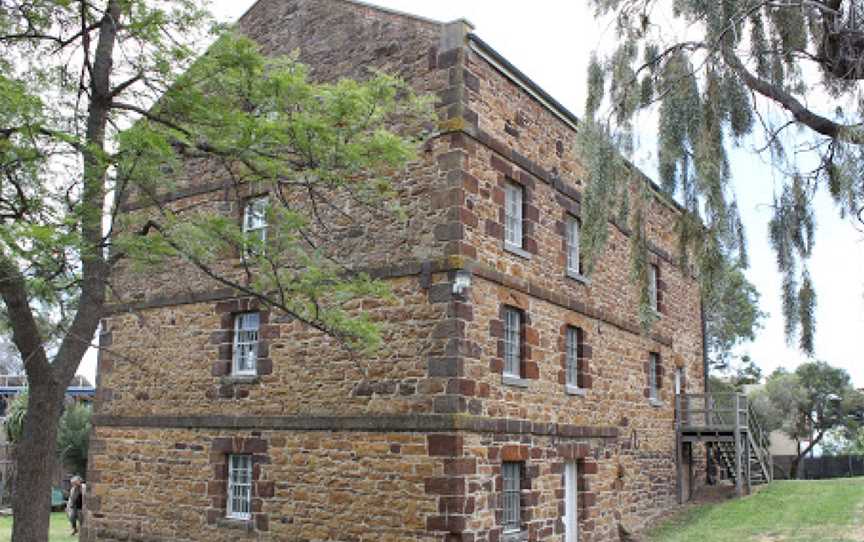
column 173, row 360
column 163, row 372
column 168, row 485
column 335, row 39
column 504, row 148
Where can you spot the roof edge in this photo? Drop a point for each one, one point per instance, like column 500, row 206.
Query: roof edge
column 383, row 9
column 523, row 80
column 556, row 108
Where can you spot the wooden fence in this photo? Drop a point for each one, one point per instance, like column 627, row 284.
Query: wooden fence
column 840, row 466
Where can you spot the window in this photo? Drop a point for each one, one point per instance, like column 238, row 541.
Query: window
column 679, row 381
column 255, row 221
column 511, row 472
column 653, row 382
column 512, row 342
column 573, row 353
column 571, row 503
column 245, row 359
column 653, row 299
column 239, row 486
column 574, row 264
column 513, row 198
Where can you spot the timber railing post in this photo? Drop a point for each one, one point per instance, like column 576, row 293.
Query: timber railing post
column 739, row 483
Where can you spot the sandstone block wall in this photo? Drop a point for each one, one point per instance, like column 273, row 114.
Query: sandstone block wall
column 408, row 443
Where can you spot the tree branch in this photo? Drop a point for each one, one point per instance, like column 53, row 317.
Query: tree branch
column 814, row 121
column 25, row 330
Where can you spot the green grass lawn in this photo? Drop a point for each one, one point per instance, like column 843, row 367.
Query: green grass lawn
column 807, row 511
column 59, row 532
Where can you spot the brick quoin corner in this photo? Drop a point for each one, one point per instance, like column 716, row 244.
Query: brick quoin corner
column 414, row 450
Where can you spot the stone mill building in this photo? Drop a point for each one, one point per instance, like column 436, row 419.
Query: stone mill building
column 514, row 398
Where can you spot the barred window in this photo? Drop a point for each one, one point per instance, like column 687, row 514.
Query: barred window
column 573, row 353
column 653, row 384
column 245, row 359
column 255, row 222
column 240, row 486
column 574, row 264
column 512, row 342
column 653, row 273
column 513, row 199
column 512, row 475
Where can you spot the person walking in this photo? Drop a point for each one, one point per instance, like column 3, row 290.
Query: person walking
column 75, row 503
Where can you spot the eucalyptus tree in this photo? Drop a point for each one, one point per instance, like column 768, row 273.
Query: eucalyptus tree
column 783, row 77
column 103, row 99
column 808, row 404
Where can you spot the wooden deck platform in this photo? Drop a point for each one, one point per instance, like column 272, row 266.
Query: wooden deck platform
column 727, row 425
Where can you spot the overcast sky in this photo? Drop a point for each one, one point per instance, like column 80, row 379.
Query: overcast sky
column 551, row 42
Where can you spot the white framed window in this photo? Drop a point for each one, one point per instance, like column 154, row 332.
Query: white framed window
column 511, row 472
column 572, row 350
column 239, row 486
column 512, row 342
column 574, row 263
column 653, row 277
column 245, row 355
column 679, row 381
column 514, row 196
column 571, row 502
column 653, row 382
column 255, row 220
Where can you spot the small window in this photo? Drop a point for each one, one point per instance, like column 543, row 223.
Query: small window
column 574, row 263
column 245, row 359
column 572, row 356
column 653, row 382
column 239, row 486
column 513, row 200
column 679, row 380
column 511, row 472
column 653, row 299
column 512, row 342
column 255, row 222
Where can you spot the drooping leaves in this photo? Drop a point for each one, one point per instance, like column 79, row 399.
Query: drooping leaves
column 736, row 79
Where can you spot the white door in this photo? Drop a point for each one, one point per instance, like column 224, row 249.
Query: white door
column 571, row 509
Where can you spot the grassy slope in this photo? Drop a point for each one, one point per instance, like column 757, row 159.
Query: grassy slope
column 827, row 511
column 59, row 532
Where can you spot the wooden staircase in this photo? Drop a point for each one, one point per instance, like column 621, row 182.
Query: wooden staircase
column 726, row 424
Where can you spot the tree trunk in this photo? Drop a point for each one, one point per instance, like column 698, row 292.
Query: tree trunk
column 35, row 458
column 48, row 381
column 793, row 468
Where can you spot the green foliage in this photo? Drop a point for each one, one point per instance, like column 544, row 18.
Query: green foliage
column 73, row 431
column 709, row 90
column 815, row 399
column 325, row 152
column 15, row 413
column 314, row 146
column 73, row 438
column 732, row 315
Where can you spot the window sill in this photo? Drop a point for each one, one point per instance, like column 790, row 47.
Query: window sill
column 578, row 277
column 518, row 251
column 236, row 524
column 514, row 536
column 240, row 379
column 518, row 382
column 575, row 390
column 656, row 403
